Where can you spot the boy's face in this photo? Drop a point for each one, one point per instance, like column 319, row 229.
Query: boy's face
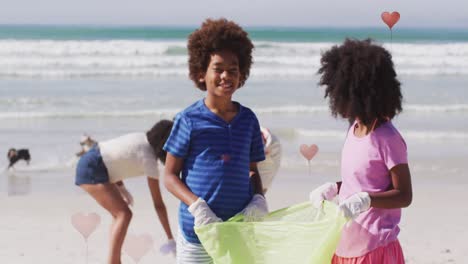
column 222, row 75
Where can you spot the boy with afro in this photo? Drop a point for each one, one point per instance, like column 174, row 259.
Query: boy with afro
column 215, row 143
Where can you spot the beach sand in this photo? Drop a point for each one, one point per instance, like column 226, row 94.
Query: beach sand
column 36, row 228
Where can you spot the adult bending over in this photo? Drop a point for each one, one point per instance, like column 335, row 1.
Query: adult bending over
column 102, row 169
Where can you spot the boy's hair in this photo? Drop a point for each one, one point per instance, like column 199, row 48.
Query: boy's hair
column 360, row 81
column 157, row 137
column 214, row 36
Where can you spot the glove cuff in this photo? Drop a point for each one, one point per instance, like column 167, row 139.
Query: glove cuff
column 258, row 197
column 196, row 206
column 366, row 201
column 168, row 247
column 335, row 188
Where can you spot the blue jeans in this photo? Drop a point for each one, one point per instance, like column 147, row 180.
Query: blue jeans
column 91, row 168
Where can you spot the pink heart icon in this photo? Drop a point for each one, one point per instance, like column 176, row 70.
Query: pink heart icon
column 390, row 19
column 308, row 151
column 85, row 223
column 136, row 246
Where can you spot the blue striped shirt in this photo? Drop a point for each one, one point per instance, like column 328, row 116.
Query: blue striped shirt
column 217, row 158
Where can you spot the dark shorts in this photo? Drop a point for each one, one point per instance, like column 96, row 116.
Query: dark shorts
column 91, row 168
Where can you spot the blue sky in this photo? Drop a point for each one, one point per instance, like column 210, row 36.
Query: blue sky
column 308, row 13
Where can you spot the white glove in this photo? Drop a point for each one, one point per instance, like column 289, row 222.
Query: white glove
column 355, row 204
column 327, row 192
column 256, row 209
column 168, row 248
column 126, row 195
column 202, row 213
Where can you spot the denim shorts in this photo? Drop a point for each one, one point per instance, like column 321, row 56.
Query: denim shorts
column 91, row 168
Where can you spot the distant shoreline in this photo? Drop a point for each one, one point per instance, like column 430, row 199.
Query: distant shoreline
column 264, row 33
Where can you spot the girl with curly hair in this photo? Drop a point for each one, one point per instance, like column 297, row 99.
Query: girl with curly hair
column 361, row 84
column 215, row 143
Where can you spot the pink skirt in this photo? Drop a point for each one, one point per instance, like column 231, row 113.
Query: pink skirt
column 389, row 254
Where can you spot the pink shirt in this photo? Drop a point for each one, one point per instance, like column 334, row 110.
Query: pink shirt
column 365, row 167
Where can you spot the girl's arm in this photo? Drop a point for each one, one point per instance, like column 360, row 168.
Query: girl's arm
column 400, row 195
column 255, row 179
column 172, row 181
column 159, row 206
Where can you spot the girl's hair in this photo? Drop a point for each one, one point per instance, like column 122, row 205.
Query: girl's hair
column 157, row 137
column 214, row 36
column 360, row 81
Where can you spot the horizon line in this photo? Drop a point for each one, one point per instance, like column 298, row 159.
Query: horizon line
column 189, row 27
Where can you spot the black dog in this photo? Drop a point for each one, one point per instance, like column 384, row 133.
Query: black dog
column 20, row 154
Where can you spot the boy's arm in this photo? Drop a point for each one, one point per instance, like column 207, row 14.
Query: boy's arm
column 257, row 207
column 173, row 167
column 255, row 179
column 197, row 206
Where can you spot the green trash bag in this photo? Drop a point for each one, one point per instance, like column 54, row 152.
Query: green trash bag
column 300, row 234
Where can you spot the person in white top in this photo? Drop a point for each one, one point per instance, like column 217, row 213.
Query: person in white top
column 269, row 167
column 101, row 170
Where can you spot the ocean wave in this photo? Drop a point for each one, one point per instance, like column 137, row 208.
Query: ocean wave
column 60, row 102
column 48, row 164
column 408, row 134
column 433, row 108
column 90, row 114
column 293, row 109
column 93, row 73
column 91, row 62
column 117, row 48
column 415, row 108
column 298, row 163
column 69, row 48
column 145, row 72
column 322, row 133
column 287, row 109
column 134, row 58
column 141, row 113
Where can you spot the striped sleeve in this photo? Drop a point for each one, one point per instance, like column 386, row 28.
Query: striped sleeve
column 179, row 140
column 257, row 152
